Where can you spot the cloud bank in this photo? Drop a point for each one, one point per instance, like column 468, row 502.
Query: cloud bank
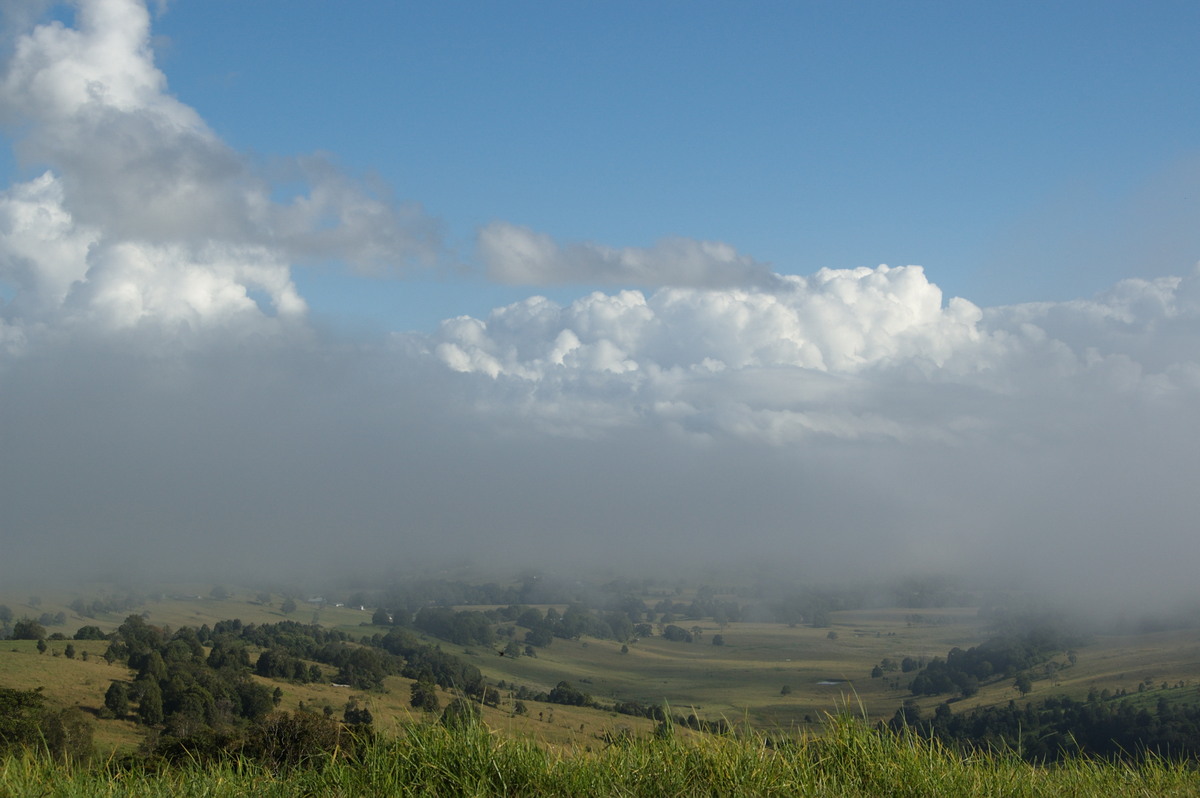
column 166, row 403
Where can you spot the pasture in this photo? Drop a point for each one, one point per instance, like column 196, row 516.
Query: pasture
column 769, row 676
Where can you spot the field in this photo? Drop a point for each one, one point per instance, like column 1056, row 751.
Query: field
column 769, row 676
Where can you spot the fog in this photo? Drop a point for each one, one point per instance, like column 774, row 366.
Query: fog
column 169, row 407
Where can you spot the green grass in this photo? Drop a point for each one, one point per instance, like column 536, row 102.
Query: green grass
column 849, row 759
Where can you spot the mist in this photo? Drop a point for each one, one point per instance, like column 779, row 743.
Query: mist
column 170, row 407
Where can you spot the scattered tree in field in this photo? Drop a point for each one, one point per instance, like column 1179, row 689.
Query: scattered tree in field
column 90, row 633
column 288, row 606
column 565, row 693
column 786, row 690
column 355, row 715
column 69, row 651
column 424, row 696
column 1023, row 684
column 41, row 646
column 219, row 593
column 718, row 640
column 28, row 629
column 677, row 634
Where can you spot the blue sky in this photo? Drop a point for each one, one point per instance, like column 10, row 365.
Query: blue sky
column 312, row 279
column 1008, row 148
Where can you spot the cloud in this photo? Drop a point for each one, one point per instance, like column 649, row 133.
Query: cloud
column 520, row 256
column 850, row 355
column 143, row 211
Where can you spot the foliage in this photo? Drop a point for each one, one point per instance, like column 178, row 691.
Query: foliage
column 1000, row 657
column 28, row 629
column 90, row 633
column 677, row 634
column 1059, row 728
column 565, row 693
column 26, row 723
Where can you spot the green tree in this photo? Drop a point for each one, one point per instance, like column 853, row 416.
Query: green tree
column 288, row 606
column 460, row 713
column 150, row 707
column 90, row 633
column 28, row 629
column 1023, row 683
column 20, row 718
column 116, row 698
column 424, row 696
column 70, row 651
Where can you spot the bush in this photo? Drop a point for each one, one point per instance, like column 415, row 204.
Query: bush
column 284, row 740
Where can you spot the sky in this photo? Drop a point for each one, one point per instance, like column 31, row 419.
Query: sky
column 838, row 289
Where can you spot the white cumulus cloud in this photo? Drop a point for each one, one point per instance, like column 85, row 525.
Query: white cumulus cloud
column 142, row 214
column 842, row 353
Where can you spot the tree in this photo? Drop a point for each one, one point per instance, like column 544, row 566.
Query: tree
column 288, row 606
column 424, row 696
column 219, row 593
column 354, row 715
column 41, row 646
column 460, row 713
column 150, row 708
column 1023, row 683
column 565, row 693
column 381, row 617
column 116, row 698
column 28, row 629
column 718, row 640
column 70, row 651
column 677, row 634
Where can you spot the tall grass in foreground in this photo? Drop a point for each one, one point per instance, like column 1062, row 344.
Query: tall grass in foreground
column 851, row 759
